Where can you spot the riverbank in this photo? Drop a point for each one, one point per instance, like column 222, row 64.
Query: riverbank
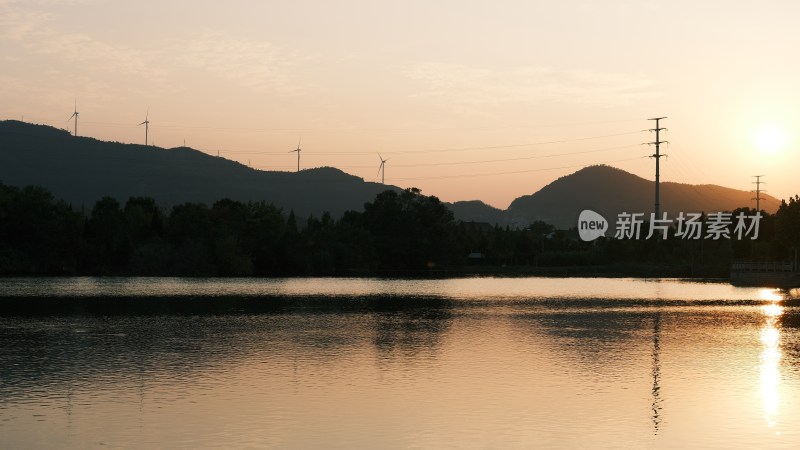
column 719, row 272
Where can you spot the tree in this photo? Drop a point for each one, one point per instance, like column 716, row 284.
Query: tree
column 787, row 228
column 109, row 245
column 263, row 230
column 411, row 231
column 38, row 234
column 189, row 231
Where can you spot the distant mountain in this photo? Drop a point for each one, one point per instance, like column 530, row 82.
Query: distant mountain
column 609, row 191
column 81, row 170
column 477, row 211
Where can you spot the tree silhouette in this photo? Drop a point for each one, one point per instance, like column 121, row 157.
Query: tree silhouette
column 411, row 231
column 38, row 234
column 398, row 233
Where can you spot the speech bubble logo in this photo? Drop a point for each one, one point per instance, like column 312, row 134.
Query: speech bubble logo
column 591, row 225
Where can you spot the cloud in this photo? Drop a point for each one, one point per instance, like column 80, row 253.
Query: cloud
column 258, row 65
column 35, row 32
column 465, row 86
column 47, row 2
column 16, row 24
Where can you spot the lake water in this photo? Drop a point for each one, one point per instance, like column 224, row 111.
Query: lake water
column 373, row 363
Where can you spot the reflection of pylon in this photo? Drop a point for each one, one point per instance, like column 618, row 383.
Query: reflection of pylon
column 656, row 406
column 657, row 157
column 758, row 191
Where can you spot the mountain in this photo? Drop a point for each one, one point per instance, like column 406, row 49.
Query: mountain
column 477, row 211
column 81, row 170
column 609, row 191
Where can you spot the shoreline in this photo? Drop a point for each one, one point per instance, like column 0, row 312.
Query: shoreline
column 627, row 270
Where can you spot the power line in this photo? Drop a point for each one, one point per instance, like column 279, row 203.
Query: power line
column 529, row 144
column 358, row 130
column 515, row 171
column 523, row 158
column 696, row 169
column 442, row 150
column 460, row 149
column 446, row 150
column 680, row 168
column 476, row 162
column 484, row 161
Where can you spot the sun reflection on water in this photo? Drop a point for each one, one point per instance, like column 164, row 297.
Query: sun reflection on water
column 770, row 356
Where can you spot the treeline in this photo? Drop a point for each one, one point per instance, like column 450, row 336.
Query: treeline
column 397, row 233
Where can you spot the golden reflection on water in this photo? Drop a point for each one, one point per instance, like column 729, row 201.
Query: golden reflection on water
column 656, row 391
column 770, row 372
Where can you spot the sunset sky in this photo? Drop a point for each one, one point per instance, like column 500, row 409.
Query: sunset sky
column 484, row 100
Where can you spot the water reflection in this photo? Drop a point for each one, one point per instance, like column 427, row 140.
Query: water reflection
column 411, row 332
column 656, row 373
column 518, row 370
column 770, row 372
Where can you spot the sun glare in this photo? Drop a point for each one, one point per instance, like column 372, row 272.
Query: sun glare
column 770, row 139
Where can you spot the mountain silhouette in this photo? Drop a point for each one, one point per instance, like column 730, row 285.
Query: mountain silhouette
column 609, row 191
column 82, row 170
column 477, row 211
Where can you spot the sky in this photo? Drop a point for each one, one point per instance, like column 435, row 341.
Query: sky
column 486, row 100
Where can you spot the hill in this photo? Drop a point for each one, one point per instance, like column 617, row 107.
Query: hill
column 477, row 211
column 610, row 191
column 81, row 170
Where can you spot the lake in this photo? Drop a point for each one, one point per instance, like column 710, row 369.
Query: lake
column 394, row 363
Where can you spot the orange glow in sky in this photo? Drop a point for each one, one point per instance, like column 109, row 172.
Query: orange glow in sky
column 467, row 100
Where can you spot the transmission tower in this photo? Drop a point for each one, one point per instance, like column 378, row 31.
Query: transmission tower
column 758, row 191
column 657, row 156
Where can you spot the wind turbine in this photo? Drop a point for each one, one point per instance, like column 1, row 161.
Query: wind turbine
column 382, row 169
column 146, row 124
column 298, row 154
column 75, row 115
